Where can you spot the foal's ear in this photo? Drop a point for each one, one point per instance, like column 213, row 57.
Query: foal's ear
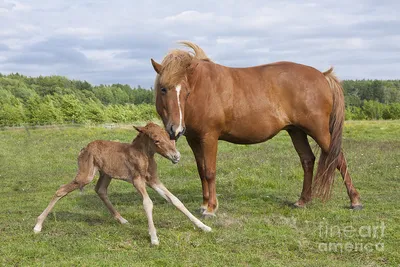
column 139, row 129
column 157, row 67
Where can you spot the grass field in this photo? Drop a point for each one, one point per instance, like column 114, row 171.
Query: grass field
column 255, row 224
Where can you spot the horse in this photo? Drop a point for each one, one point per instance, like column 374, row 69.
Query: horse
column 133, row 163
column 207, row 102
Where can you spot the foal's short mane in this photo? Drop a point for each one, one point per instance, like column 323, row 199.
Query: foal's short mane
column 176, row 63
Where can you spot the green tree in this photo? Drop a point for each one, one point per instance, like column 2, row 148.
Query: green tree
column 72, row 109
column 95, row 112
column 12, row 113
column 373, row 110
column 104, row 94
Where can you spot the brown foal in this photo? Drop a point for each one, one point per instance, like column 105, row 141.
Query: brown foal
column 208, row 102
column 133, row 163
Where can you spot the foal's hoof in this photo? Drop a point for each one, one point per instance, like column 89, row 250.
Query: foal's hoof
column 122, row 220
column 155, row 242
column 356, row 207
column 37, row 229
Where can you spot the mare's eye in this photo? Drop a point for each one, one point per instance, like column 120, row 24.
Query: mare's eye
column 163, row 90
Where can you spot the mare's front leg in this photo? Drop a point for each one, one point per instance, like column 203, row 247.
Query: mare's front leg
column 198, row 154
column 140, row 185
column 163, row 191
column 307, row 159
column 205, row 151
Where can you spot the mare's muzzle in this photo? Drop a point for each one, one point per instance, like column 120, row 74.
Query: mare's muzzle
column 174, row 134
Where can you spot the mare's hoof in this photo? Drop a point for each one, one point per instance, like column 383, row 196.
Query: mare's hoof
column 298, row 205
column 356, row 207
column 207, row 215
column 202, row 210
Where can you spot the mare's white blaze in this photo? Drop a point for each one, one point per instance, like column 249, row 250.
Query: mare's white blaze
column 180, row 128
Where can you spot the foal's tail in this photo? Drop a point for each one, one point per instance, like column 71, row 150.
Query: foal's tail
column 86, row 168
column 328, row 160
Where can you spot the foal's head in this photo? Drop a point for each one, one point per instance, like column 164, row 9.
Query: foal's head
column 160, row 141
column 172, row 87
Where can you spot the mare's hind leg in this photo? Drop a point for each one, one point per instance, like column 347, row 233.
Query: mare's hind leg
column 351, row 190
column 101, row 190
column 80, row 181
column 307, row 159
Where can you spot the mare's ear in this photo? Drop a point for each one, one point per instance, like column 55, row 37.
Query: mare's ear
column 157, row 67
column 139, row 129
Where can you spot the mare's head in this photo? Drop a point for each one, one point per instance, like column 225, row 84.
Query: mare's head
column 160, row 141
column 172, row 87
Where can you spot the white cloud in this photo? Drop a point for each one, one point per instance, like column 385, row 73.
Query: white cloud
column 83, row 32
column 190, row 16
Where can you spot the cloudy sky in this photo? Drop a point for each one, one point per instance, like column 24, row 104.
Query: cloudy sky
column 113, row 41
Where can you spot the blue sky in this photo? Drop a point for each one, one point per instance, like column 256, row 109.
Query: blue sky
column 113, row 41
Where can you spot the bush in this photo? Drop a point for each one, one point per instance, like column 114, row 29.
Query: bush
column 72, row 109
column 144, row 112
column 373, row 110
column 354, row 113
column 94, row 112
column 12, row 114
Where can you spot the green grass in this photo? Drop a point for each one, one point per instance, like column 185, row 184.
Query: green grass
column 255, row 224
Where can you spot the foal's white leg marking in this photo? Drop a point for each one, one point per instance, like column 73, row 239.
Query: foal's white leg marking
column 178, row 91
column 163, row 191
column 148, row 208
column 42, row 217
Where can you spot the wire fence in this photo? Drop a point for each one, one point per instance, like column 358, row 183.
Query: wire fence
column 78, row 125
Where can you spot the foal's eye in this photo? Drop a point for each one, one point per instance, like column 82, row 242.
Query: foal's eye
column 163, row 90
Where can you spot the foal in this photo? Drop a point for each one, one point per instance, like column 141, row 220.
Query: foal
column 133, row 163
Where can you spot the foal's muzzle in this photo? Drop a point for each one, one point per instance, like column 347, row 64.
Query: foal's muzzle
column 175, row 157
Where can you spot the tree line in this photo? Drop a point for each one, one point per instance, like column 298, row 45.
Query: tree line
column 372, row 99
column 47, row 100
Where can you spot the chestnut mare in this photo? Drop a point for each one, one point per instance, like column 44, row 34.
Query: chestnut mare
column 208, row 102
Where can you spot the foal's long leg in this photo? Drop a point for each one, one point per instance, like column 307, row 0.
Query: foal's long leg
column 307, row 159
column 140, row 185
column 351, row 190
column 61, row 192
column 85, row 175
column 163, row 191
column 101, row 190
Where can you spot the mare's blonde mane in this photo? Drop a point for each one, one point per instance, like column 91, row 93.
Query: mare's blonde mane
column 176, row 63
